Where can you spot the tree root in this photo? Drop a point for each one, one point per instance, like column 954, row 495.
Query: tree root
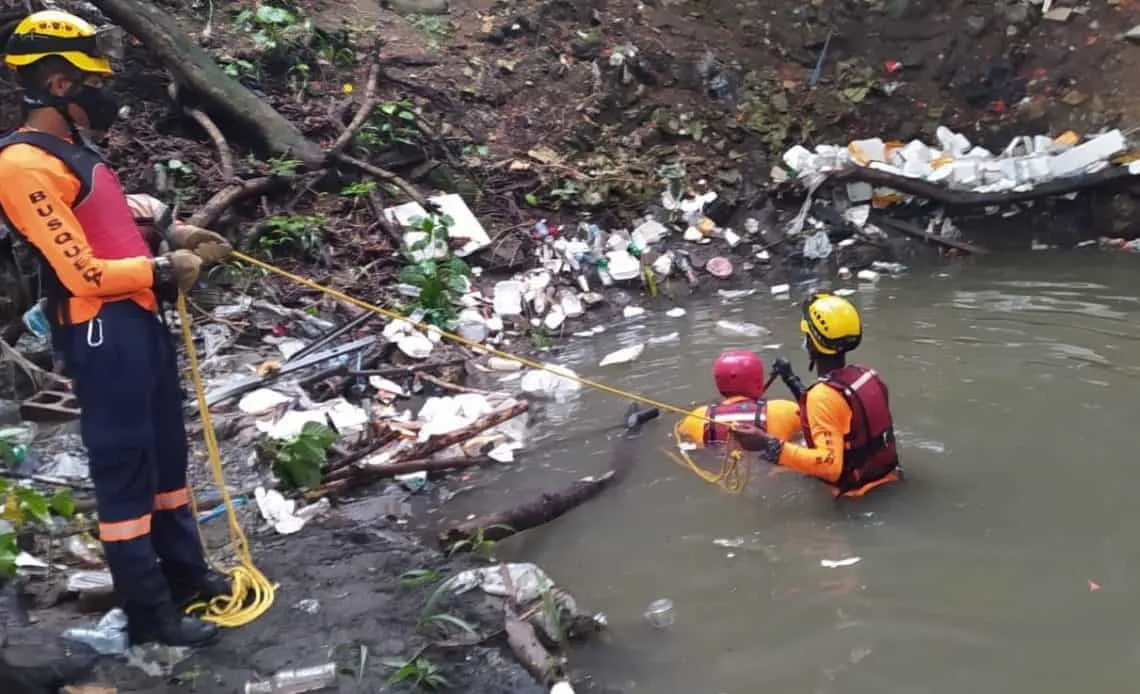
column 367, row 105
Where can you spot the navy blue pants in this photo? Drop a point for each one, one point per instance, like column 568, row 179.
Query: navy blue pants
column 125, row 370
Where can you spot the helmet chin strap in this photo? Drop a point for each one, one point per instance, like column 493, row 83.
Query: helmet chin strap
column 40, row 98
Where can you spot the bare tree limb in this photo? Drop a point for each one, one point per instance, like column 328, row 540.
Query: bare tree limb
column 383, row 175
column 367, row 104
column 215, row 207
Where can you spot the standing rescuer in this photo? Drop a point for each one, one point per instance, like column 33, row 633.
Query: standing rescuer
column 102, row 285
column 739, row 376
column 847, row 425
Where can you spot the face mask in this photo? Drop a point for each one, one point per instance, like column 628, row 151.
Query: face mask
column 99, row 103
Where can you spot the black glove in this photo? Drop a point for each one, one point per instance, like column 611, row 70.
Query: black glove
column 755, row 440
column 783, row 368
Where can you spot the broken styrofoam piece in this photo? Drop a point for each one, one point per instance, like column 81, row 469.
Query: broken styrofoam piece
column 951, row 142
column 859, row 192
column 501, row 364
column 857, row 215
column 261, row 401
column 507, row 298
column 570, row 304
column 675, row 312
column 867, row 276
column 780, row 289
column 552, row 381
column 663, row 265
column 623, row 266
column 464, row 225
column 385, row 386
column 345, row 416
column 632, row 311
column 649, row 232
column 555, row 318
column 623, row 356
column 1079, row 158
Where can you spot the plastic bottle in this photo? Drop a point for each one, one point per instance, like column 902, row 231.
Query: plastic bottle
column 310, row 679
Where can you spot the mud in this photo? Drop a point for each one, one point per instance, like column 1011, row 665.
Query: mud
column 366, row 616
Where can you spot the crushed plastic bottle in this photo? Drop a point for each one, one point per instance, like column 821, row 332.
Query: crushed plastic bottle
column 108, row 637
column 817, row 246
column 310, row 679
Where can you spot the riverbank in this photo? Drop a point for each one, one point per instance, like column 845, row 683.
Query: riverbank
column 551, row 121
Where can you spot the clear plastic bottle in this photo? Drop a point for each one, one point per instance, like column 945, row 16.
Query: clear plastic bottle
column 310, row 679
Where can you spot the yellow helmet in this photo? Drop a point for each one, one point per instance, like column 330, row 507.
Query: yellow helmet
column 62, row 34
column 831, row 324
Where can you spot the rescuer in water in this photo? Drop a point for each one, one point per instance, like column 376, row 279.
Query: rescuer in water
column 846, row 417
column 102, row 283
column 739, row 376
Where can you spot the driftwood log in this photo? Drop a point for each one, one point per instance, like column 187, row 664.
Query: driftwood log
column 964, row 198
column 551, row 505
column 347, row 479
column 531, row 654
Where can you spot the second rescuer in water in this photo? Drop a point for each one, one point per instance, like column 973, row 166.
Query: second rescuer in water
column 847, row 425
column 739, row 376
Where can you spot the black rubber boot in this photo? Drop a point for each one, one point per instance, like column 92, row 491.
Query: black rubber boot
column 168, row 626
column 206, row 588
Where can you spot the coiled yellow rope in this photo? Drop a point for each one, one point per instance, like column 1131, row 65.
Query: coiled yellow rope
column 252, row 593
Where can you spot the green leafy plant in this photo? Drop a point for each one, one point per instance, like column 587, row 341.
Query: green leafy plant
column 298, row 461
column 360, row 189
column 242, row 69
column 284, row 167
column 434, row 29
column 420, row 671
column 415, row 578
column 273, row 28
column 24, row 507
column 442, row 623
column 291, row 234
column 393, row 123
column 479, row 544
column 440, row 280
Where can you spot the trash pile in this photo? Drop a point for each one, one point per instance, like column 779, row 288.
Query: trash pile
column 957, row 164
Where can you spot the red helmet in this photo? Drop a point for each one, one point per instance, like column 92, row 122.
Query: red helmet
column 739, row 373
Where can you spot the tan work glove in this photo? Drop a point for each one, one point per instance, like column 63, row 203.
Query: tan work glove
column 177, row 269
column 208, row 245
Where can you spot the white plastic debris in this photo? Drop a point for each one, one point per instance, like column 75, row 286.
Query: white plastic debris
column 345, row 416
column 623, row 356
column 663, row 265
column 464, row 226
column 261, row 401
column 555, row 318
column 858, row 215
column 735, row 293
column 1077, row 159
column 471, row 326
column 90, row 581
column 728, row 327
column 570, row 304
column 632, row 311
column 278, row 511
column 552, row 381
column 651, row 231
column 839, row 563
column 623, row 266
column 867, row 276
column 527, row 582
column 817, row 246
column 675, row 312
column 780, row 289
column 416, row 345
column 385, row 386
column 501, row 364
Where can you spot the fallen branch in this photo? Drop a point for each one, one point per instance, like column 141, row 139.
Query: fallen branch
column 206, row 215
column 345, row 479
column 225, row 155
column 964, row 198
column 197, row 70
column 443, row 441
column 448, row 385
column 915, row 232
column 530, row 652
column 367, row 104
column 383, row 175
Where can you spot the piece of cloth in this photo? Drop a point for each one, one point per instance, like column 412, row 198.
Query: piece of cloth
column 72, row 210
column 829, row 422
column 125, row 371
column 783, row 421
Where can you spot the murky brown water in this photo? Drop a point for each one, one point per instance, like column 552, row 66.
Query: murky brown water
column 1008, row 561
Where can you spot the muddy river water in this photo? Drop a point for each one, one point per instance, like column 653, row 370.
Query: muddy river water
column 1009, row 560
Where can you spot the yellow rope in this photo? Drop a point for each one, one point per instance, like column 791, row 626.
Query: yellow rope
column 730, row 478
column 252, row 593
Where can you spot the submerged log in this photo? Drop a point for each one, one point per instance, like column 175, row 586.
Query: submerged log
column 531, row 654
